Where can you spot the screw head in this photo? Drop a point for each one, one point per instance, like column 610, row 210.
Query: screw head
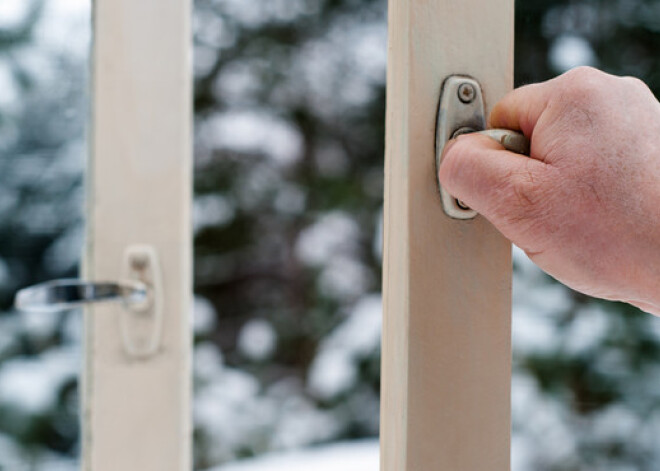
column 139, row 261
column 466, row 93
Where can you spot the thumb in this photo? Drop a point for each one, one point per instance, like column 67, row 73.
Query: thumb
column 521, row 109
column 502, row 186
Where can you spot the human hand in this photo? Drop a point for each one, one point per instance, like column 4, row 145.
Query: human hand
column 586, row 206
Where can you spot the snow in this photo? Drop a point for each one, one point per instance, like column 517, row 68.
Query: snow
column 237, row 83
column 233, row 414
column 257, row 339
column 352, row 43
column 264, row 11
column 331, row 244
column 212, row 210
column 360, row 334
column 332, row 234
column 224, row 407
column 569, row 51
column 31, row 384
column 254, row 131
column 298, row 421
column 204, row 317
column 8, row 85
column 368, row 51
column 334, row 369
column 536, row 304
column 208, row 363
column 347, row 456
column 39, row 324
column 538, row 418
column 588, row 330
column 615, row 423
column 331, row 374
column 344, row 278
column 13, row 13
column 68, row 27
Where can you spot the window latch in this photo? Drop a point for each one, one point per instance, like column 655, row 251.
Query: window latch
column 461, row 111
column 139, row 292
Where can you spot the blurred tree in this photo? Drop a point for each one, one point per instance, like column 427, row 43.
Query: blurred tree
column 42, row 116
column 289, row 106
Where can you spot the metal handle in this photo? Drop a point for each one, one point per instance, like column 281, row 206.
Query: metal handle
column 511, row 140
column 140, row 293
column 460, row 111
column 58, row 295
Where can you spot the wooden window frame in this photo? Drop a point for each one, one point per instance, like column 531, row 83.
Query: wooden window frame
column 136, row 410
column 446, row 364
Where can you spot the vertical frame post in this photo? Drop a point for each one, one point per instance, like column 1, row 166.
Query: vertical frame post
column 446, row 339
column 136, row 408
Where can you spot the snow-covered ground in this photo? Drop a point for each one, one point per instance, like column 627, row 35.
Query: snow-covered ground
column 347, row 456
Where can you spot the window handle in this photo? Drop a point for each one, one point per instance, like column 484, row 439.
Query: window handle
column 139, row 293
column 461, row 111
column 513, row 141
column 58, row 295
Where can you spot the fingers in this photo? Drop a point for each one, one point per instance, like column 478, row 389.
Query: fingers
column 499, row 184
column 521, row 108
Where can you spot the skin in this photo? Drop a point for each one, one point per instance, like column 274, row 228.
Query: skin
column 586, row 206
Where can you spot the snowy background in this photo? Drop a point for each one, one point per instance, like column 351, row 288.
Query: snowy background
column 289, row 111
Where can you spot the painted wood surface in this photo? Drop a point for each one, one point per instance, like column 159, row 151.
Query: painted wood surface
column 136, row 412
column 446, row 338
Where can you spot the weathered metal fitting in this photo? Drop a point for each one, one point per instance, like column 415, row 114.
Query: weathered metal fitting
column 461, row 111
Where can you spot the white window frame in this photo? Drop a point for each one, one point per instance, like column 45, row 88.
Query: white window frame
column 137, row 408
column 446, row 365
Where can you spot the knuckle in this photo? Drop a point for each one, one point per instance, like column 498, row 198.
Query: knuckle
column 584, row 84
column 633, row 81
column 581, row 95
column 635, row 84
column 584, row 72
column 582, row 89
column 585, row 78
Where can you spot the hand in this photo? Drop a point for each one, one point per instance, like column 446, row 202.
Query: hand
column 586, row 206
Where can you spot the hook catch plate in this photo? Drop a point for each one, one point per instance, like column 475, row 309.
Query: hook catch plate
column 461, row 111
column 139, row 294
column 142, row 326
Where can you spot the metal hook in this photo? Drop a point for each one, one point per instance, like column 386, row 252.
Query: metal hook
column 140, row 292
column 59, row 295
column 461, row 111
